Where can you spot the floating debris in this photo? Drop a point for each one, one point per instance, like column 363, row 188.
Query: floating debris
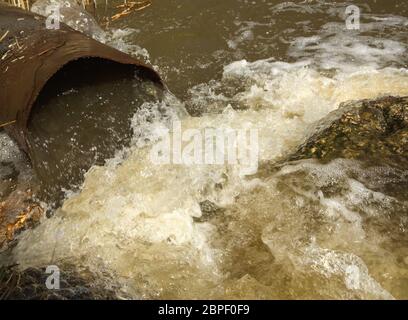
column 129, row 7
column 4, row 35
column 28, row 217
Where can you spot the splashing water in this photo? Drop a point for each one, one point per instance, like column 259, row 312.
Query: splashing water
column 304, row 230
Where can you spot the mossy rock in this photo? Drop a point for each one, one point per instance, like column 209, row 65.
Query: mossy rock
column 30, row 284
column 374, row 131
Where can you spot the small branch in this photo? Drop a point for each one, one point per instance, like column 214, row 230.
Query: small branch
column 130, row 7
column 4, row 35
column 7, row 123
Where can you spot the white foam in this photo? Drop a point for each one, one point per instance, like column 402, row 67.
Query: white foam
column 335, row 47
column 137, row 219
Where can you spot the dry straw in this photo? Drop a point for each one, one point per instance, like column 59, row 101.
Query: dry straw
column 26, row 4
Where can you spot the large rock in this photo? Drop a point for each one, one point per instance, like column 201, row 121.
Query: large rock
column 372, row 134
column 374, row 131
column 30, row 284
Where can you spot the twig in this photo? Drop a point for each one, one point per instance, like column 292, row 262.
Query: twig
column 129, row 8
column 4, row 35
column 7, row 123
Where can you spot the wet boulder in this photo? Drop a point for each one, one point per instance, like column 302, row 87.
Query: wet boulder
column 30, row 284
column 368, row 139
column 373, row 131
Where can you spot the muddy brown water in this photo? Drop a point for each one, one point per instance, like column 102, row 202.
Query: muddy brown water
column 307, row 230
column 82, row 117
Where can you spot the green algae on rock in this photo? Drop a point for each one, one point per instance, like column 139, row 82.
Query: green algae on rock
column 374, row 131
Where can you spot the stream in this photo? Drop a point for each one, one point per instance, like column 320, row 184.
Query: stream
column 305, row 229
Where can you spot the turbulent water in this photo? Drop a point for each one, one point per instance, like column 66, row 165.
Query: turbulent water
column 305, row 230
column 97, row 109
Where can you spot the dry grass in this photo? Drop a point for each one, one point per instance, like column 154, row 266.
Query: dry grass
column 126, row 8
column 129, row 7
column 30, row 216
column 26, row 4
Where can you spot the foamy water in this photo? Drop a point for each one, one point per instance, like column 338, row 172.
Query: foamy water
column 307, row 230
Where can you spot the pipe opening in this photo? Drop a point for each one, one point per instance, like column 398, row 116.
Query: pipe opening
column 82, row 117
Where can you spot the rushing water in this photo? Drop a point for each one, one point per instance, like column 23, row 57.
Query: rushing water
column 306, row 230
column 96, row 117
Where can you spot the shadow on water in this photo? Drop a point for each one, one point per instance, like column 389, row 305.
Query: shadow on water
column 82, row 116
